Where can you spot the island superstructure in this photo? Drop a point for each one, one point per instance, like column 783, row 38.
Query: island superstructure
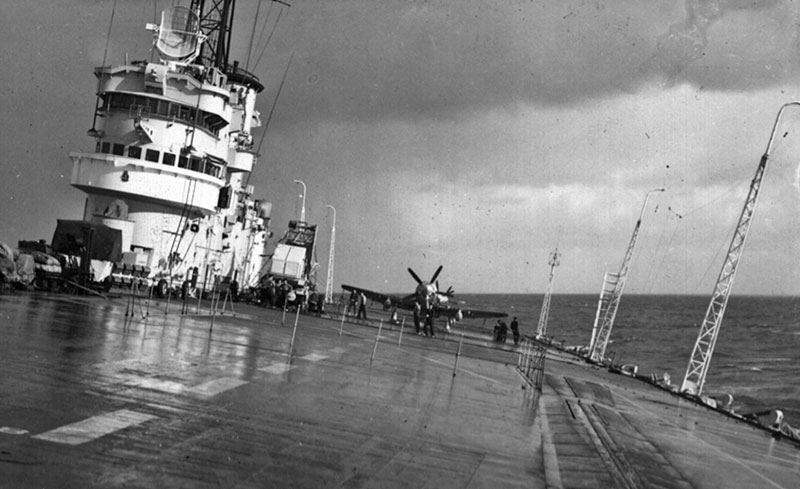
column 174, row 151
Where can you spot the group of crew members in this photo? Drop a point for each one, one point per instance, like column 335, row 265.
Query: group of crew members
column 357, row 305
column 501, row 331
column 281, row 295
column 424, row 315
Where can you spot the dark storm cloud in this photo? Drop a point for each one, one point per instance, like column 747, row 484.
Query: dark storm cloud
column 367, row 60
column 728, row 44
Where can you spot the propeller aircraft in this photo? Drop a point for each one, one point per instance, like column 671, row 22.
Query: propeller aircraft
column 429, row 296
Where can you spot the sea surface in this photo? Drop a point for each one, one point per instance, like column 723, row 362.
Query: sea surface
column 756, row 359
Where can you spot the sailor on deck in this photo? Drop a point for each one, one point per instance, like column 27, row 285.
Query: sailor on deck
column 362, row 306
column 417, row 313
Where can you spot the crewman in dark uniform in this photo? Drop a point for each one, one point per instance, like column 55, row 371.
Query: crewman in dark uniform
column 515, row 329
column 429, row 323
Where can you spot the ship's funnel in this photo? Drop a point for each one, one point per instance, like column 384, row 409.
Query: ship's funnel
column 179, row 33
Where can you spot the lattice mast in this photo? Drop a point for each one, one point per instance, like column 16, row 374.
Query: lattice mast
column 216, row 23
column 613, row 288
column 329, row 278
column 606, row 294
column 695, row 377
column 541, row 329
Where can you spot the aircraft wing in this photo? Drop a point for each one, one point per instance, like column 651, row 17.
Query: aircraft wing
column 379, row 297
column 451, row 311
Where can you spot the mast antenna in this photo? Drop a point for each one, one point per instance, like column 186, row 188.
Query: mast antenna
column 696, row 371
column 610, row 295
column 93, row 130
column 541, row 329
column 216, row 23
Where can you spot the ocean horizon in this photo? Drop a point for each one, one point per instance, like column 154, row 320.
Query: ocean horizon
column 755, row 359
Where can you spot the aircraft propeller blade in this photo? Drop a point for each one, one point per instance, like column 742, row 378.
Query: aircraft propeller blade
column 414, row 275
column 450, row 292
column 435, row 275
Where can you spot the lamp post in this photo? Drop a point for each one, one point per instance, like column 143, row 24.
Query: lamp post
column 303, row 205
column 329, row 282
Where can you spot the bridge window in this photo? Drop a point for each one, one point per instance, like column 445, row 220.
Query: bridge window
column 134, row 152
column 152, row 155
column 186, row 113
column 140, row 105
column 105, row 147
column 162, row 109
column 118, row 149
column 169, row 159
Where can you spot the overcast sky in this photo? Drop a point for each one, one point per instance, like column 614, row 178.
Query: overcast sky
column 478, row 135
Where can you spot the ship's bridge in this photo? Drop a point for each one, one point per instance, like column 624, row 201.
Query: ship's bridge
column 195, row 183
column 186, row 87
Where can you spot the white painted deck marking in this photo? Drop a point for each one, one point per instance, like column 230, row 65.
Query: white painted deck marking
column 92, row 428
column 216, row 386
column 276, row 368
column 313, row 357
column 10, row 430
column 156, row 385
column 338, row 350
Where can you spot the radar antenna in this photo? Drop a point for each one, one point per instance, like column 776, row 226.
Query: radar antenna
column 695, row 377
column 178, row 37
column 613, row 286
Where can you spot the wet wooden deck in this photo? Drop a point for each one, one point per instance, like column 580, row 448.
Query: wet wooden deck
column 92, row 397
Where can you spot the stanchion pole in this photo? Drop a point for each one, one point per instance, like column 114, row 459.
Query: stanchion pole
column 213, row 312
column 224, row 302
column 283, row 318
column 377, row 338
column 128, row 302
column 185, row 305
column 341, row 326
column 294, row 331
column 199, row 297
column 139, row 299
column 400, row 338
column 526, row 359
column 233, row 312
column 458, row 353
column 149, row 298
column 169, row 296
column 533, row 351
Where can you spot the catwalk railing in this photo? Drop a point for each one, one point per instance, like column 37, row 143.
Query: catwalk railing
column 530, row 362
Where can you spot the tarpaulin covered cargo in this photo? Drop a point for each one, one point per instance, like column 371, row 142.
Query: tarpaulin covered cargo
column 26, row 268
column 8, row 269
column 288, row 262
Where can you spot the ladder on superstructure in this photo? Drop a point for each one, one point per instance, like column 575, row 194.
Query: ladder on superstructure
column 700, row 360
column 613, row 286
column 541, row 329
